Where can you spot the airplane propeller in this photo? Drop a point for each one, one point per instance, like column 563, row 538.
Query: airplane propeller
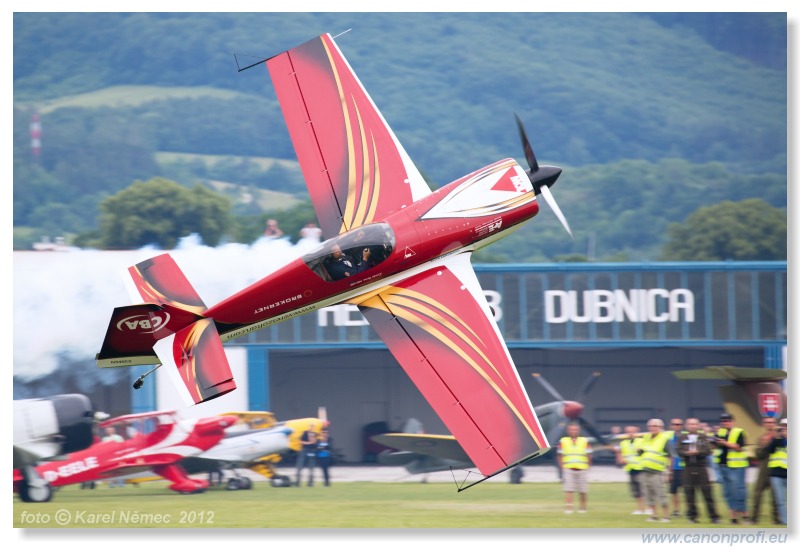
column 547, row 386
column 587, row 385
column 572, row 410
column 542, row 176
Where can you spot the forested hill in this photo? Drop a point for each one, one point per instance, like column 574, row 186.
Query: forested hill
column 117, row 92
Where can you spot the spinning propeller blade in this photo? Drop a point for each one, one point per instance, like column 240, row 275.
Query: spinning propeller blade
column 551, row 201
column 542, row 177
column 546, row 385
column 587, row 385
column 586, row 425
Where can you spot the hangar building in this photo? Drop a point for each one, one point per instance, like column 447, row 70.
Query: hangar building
column 634, row 323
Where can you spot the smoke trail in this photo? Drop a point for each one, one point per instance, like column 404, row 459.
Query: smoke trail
column 63, row 300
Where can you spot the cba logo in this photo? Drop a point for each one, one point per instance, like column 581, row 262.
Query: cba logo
column 144, row 323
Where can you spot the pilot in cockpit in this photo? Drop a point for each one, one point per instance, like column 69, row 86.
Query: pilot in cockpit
column 339, row 265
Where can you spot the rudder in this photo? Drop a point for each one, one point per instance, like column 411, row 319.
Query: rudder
column 133, row 331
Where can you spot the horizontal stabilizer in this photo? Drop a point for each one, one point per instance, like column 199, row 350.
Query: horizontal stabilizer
column 196, row 362
column 440, row 446
column 741, row 374
column 160, row 281
column 134, row 330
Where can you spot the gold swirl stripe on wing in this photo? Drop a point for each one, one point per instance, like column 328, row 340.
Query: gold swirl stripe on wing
column 365, row 196
column 370, row 184
column 351, row 160
column 424, row 298
column 411, row 317
column 376, row 184
column 424, row 309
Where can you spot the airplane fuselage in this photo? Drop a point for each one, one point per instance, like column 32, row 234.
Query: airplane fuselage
column 251, row 446
column 464, row 215
column 167, row 444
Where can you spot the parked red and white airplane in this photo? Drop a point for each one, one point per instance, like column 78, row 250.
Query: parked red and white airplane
column 46, row 427
column 154, row 441
column 257, row 442
column 398, row 251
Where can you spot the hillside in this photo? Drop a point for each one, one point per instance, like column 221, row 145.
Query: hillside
column 611, row 93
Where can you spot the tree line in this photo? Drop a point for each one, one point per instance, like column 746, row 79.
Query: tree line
column 653, row 116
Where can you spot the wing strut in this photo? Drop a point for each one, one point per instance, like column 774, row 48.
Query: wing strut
column 461, row 486
column 240, row 68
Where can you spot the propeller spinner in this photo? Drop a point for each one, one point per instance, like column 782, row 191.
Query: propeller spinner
column 572, row 410
column 542, row 177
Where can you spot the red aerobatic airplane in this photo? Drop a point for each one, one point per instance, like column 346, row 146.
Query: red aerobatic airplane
column 154, row 441
column 398, row 251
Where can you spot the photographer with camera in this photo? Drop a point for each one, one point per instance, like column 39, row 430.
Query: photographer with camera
column 695, row 448
column 779, row 468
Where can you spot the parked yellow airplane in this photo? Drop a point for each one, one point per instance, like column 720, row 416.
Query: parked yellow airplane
column 256, row 441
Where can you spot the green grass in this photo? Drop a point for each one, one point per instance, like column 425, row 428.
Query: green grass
column 343, row 505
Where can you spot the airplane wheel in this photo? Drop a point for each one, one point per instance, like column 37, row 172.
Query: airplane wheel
column 34, row 493
column 245, row 483
column 281, row 481
column 233, row 484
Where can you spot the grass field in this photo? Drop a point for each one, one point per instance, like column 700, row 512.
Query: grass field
column 342, row 505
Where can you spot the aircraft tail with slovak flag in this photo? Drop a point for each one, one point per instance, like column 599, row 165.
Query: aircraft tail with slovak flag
column 168, row 329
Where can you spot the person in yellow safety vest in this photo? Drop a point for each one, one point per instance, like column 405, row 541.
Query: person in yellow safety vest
column 654, row 456
column 628, row 457
column 779, row 467
column 574, row 459
column 733, row 463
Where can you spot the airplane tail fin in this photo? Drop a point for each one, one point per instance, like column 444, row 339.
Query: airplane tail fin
column 168, row 330
column 134, row 330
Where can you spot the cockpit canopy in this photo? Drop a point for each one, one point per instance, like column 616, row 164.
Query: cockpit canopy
column 353, row 252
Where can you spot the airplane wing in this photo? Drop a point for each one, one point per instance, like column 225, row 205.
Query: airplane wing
column 355, row 168
column 438, row 325
column 741, row 374
column 425, row 453
column 254, row 420
column 439, row 446
column 26, row 454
